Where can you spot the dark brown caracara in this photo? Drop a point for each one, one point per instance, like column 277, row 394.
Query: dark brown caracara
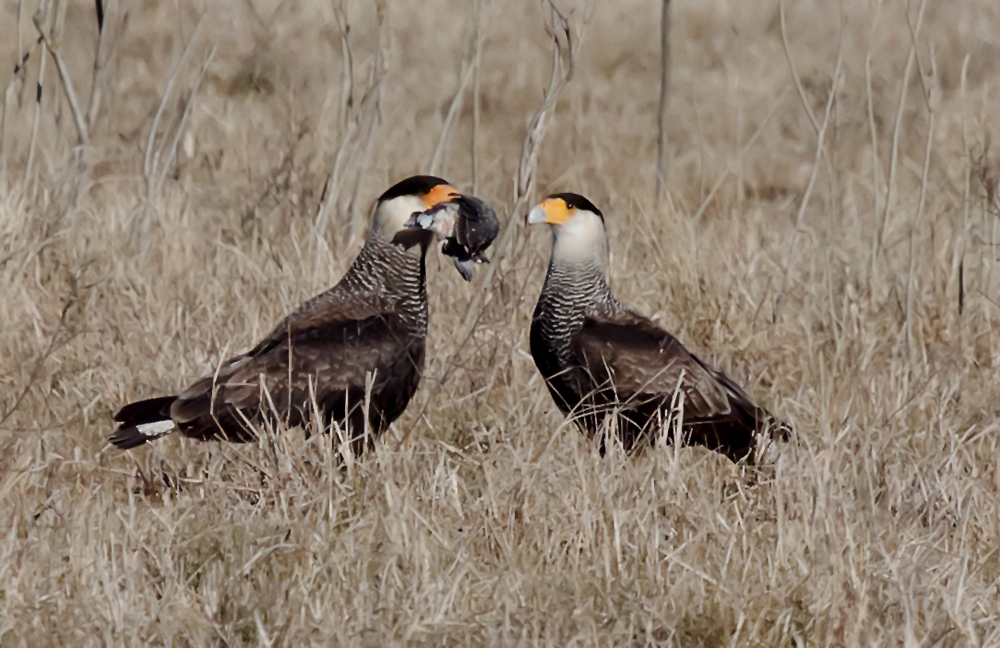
column 598, row 357
column 465, row 226
column 369, row 329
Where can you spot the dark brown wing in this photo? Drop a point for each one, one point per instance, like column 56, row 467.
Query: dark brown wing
column 642, row 362
column 326, row 350
column 637, row 365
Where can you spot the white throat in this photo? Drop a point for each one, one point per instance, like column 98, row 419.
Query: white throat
column 581, row 240
column 391, row 215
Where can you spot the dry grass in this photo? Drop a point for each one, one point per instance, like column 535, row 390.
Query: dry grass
column 495, row 522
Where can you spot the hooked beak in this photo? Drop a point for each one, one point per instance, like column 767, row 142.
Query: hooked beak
column 552, row 211
column 535, row 216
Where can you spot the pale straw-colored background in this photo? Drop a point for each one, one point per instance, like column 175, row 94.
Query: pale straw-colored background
column 485, row 519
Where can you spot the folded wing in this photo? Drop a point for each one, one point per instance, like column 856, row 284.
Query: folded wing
column 641, row 370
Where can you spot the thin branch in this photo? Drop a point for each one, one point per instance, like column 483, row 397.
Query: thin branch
column 565, row 51
column 149, row 162
column 58, row 339
column 477, row 10
column 662, row 160
column 93, row 103
column 347, row 63
column 22, row 58
column 467, row 71
column 959, row 261
column 188, row 106
column 820, row 141
column 373, row 103
column 928, row 146
column 739, row 156
column 20, row 40
column 876, row 236
column 791, row 67
column 563, row 64
column 357, row 126
column 37, row 117
column 155, row 169
column 897, row 127
column 345, row 130
column 40, row 18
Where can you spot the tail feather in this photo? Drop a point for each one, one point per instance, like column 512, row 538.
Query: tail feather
column 464, row 268
column 143, row 421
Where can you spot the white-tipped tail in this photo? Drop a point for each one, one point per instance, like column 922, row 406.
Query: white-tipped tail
column 155, row 430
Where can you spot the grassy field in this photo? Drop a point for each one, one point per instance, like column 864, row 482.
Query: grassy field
column 856, row 294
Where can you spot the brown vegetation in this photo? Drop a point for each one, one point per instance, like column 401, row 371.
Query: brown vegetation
column 852, row 289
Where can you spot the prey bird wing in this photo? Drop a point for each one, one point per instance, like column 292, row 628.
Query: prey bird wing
column 466, row 227
column 476, row 228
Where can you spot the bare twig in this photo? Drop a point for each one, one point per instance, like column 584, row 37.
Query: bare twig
column 36, row 118
column 564, row 53
column 876, row 233
column 795, row 74
column 477, row 9
column 20, row 40
column 820, row 141
column 894, row 156
column 95, row 94
column 930, row 100
column 40, row 18
column 150, row 159
column 465, row 75
column 3, row 134
column 22, row 59
column 563, row 62
column 358, row 121
column 798, row 82
column 372, row 104
column 739, row 156
column 59, row 337
column 179, row 130
column 958, row 263
column 662, row 160
column 331, row 190
column 347, row 63
column 160, row 153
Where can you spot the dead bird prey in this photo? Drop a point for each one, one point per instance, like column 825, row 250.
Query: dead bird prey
column 466, row 226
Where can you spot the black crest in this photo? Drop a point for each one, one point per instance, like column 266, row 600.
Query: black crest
column 412, row 186
column 579, row 202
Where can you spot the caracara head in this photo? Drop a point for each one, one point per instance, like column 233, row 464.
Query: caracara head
column 577, row 227
column 415, row 195
column 422, row 208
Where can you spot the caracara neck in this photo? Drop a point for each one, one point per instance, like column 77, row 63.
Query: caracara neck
column 576, row 285
column 391, row 274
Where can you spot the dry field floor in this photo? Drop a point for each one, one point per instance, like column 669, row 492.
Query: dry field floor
column 234, row 150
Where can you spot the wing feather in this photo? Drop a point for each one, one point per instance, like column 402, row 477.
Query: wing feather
column 642, row 363
column 326, row 347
